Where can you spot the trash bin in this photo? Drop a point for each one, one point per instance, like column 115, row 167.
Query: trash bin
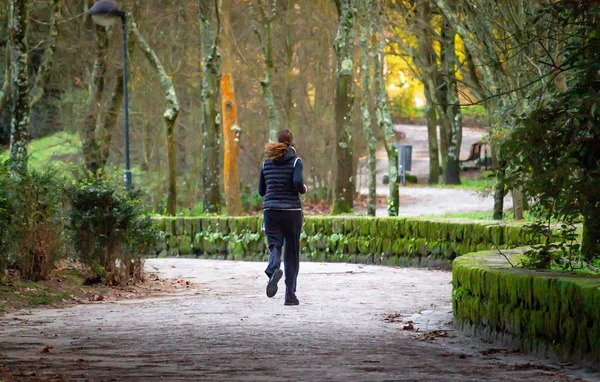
column 404, row 161
column 405, row 157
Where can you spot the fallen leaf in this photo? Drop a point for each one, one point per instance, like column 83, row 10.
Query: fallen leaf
column 433, row 335
column 47, row 349
column 392, row 317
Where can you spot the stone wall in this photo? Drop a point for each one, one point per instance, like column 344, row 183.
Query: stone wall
column 388, row 241
column 539, row 312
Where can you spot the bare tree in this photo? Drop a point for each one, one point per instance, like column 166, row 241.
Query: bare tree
column 266, row 47
column 170, row 115
column 37, row 92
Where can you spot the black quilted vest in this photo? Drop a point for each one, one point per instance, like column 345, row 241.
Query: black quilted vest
column 279, row 178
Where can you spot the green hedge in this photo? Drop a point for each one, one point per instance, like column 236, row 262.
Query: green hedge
column 389, row 241
column 542, row 312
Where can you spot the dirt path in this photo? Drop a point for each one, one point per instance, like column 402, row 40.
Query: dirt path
column 228, row 330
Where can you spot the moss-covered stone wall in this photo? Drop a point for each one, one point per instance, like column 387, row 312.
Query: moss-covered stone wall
column 541, row 312
column 389, row 241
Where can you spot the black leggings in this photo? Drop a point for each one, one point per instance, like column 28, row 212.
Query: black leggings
column 283, row 228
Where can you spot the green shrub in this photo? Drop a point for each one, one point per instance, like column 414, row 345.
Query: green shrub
column 316, row 195
column 251, row 200
column 110, row 228
column 32, row 222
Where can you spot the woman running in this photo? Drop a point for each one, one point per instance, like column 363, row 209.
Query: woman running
column 280, row 184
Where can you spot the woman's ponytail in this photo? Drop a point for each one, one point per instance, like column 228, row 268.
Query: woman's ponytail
column 275, row 150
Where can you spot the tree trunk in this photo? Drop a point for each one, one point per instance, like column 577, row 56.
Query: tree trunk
column 170, row 115
column 454, row 133
column 267, row 50
column 209, row 21
column 19, row 134
column 517, row 195
column 590, row 241
column 434, row 160
column 231, row 129
column 106, row 128
column 37, row 92
column 426, row 59
column 5, row 91
column 499, row 194
column 365, row 71
column 91, row 152
column 344, row 188
column 289, row 50
column 384, row 118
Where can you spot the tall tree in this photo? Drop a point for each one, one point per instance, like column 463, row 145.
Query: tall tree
column 344, row 188
column 208, row 14
column 170, row 115
column 384, row 118
column 426, row 58
column 19, row 125
column 231, row 129
column 290, row 47
column 37, row 91
column 454, row 131
column 416, row 20
column 266, row 46
column 100, row 122
column 5, row 91
column 365, row 72
column 91, row 152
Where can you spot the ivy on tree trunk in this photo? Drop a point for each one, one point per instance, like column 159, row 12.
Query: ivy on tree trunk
column 19, row 127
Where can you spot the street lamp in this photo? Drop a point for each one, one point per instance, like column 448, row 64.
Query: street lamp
column 106, row 13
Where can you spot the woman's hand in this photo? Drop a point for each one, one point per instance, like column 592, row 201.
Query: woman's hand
column 305, row 188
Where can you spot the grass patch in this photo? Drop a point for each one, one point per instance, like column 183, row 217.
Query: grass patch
column 61, row 151
column 64, row 285
column 508, row 216
column 483, row 181
column 48, row 298
column 469, row 215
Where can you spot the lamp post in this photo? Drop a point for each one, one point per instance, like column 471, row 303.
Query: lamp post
column 106, row 13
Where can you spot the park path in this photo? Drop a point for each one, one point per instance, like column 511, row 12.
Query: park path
column 227, row 330
column 422, row 200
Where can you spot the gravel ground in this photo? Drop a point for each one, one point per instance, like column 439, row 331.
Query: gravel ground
column 349, row 327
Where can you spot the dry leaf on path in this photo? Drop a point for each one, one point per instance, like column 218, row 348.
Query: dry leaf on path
column 47, row 349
